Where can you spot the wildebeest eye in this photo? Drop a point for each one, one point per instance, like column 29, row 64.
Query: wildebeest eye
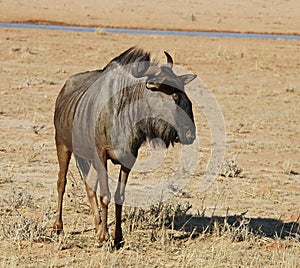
column 176, row 97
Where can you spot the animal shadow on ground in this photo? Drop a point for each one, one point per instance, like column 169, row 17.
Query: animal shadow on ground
column 185, row 225
column 237, row 225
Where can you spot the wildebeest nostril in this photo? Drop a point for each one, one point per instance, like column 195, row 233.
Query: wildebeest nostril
column 190, row 136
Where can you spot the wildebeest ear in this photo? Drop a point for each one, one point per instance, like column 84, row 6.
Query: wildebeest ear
column 187, row 78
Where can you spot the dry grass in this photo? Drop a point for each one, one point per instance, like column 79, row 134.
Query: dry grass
column 19, row 221
column 165, row 235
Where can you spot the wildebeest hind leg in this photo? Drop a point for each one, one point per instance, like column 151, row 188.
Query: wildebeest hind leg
column 64, row 156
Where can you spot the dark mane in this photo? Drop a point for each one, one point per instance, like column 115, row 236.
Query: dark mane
column 131, row 55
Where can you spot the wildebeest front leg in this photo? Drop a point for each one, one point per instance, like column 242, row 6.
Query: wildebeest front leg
column 64, row 156
column 119, row 200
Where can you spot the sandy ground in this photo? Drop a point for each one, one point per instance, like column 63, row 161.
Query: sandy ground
column 256, row 83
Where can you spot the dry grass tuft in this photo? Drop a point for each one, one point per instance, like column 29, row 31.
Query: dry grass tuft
column 18, row 199
column 18, row 227
column 231, row 169
column 16, row 224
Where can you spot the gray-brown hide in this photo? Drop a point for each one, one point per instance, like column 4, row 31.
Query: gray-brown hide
column 108, row 114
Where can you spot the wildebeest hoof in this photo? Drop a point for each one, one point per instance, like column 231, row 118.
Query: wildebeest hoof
column 58, row 227
column 119, row 243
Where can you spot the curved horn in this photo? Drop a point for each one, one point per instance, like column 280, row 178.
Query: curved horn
column 169, row 58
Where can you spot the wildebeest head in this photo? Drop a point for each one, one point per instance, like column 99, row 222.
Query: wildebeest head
column 171, row 98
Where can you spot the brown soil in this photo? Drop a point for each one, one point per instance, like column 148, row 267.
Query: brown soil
column 256, row 83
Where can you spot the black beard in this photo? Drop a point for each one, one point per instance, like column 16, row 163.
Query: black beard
column 158, row 128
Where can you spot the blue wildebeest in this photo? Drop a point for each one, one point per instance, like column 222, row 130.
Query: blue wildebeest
column 107, row 115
